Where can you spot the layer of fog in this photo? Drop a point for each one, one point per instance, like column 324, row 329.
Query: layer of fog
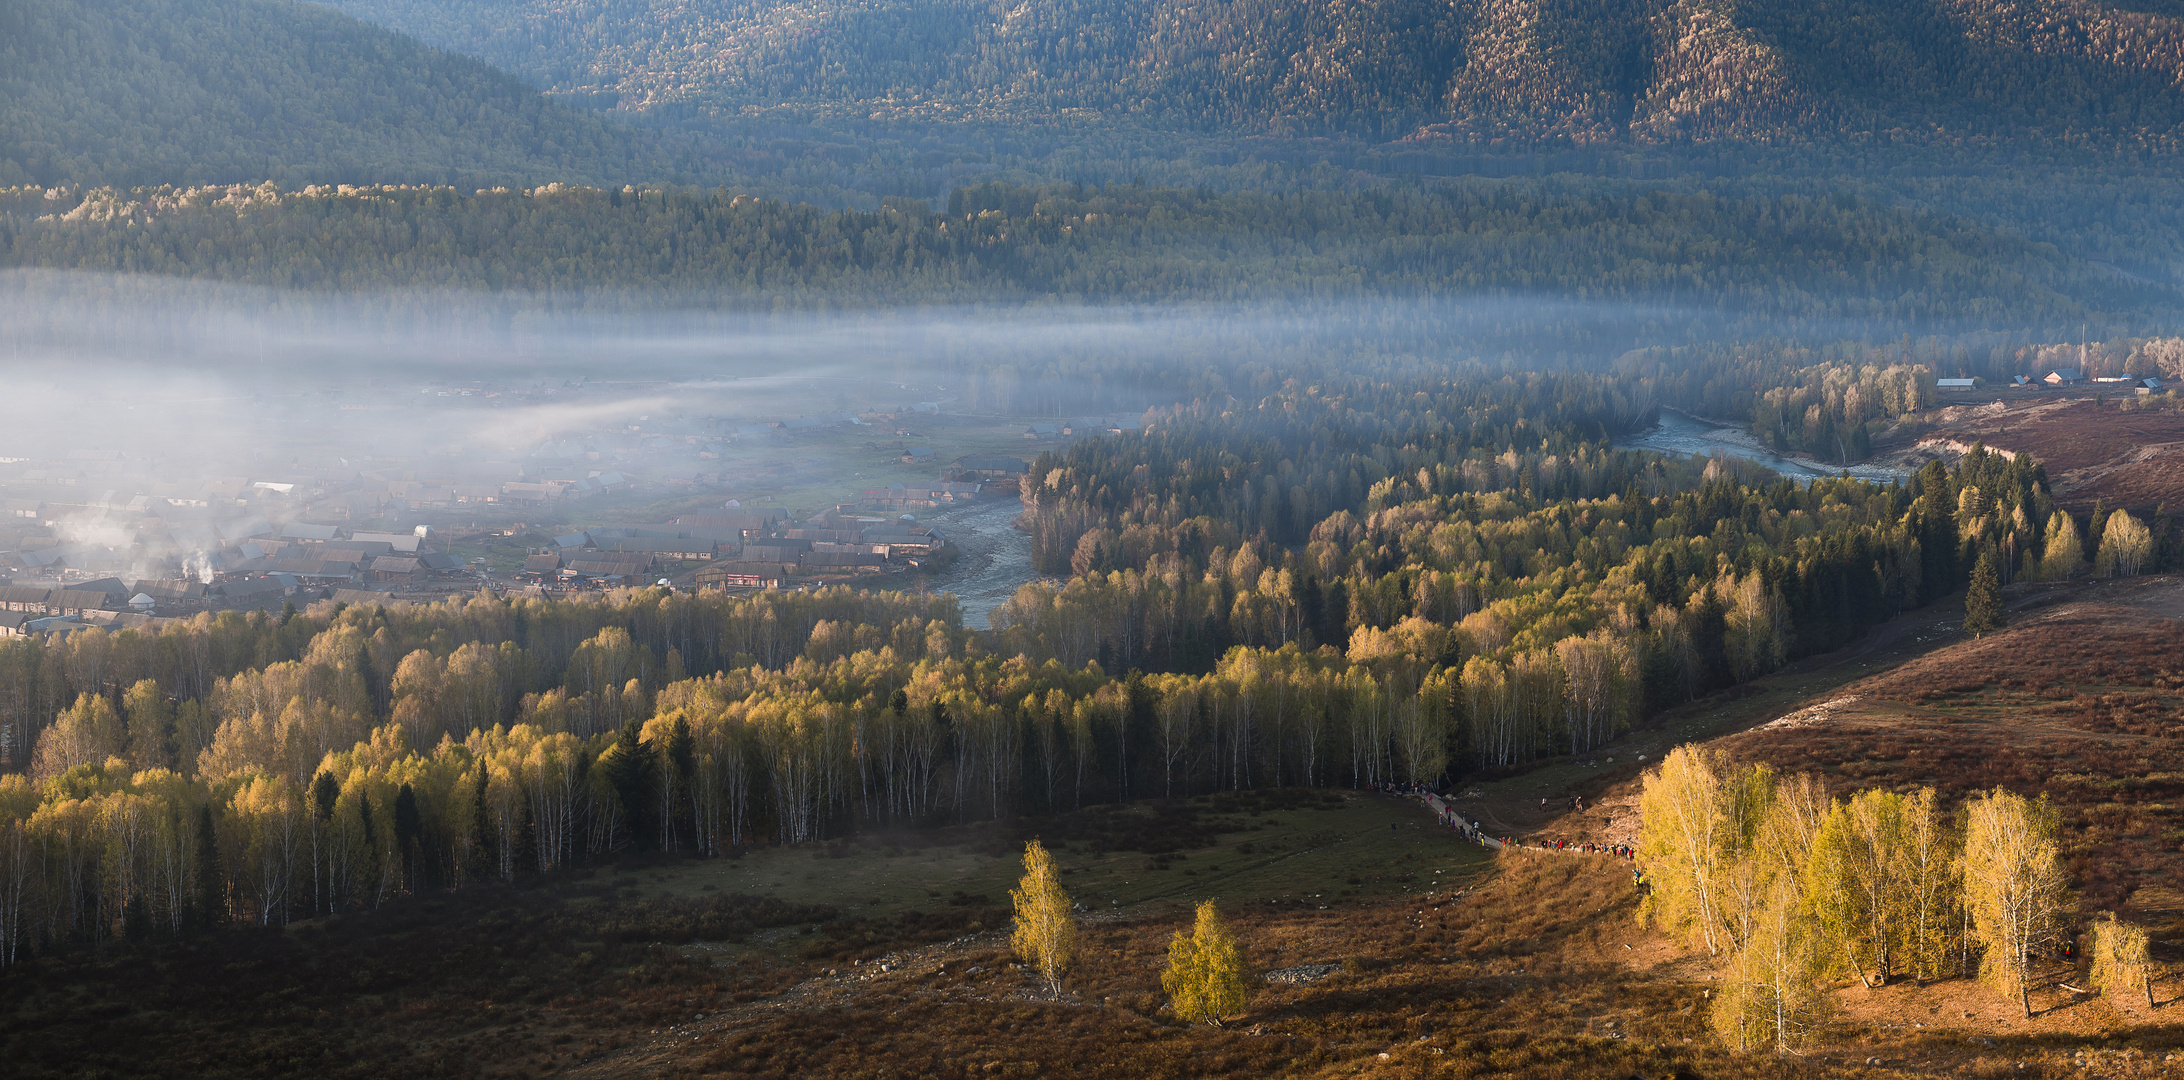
column 234, row 377
column 139, row 384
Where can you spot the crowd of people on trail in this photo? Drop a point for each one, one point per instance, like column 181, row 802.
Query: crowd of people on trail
column 1471, row 830
column 1620, row 851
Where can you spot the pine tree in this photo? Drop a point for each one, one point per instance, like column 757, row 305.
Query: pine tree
column 1983, row 600
column 1046, row 926
column 482, row 856
column 211, row 876
column 409, row 829
column 1206, row 977
column 631, row 769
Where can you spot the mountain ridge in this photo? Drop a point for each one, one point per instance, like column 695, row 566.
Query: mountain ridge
column 1528, row 71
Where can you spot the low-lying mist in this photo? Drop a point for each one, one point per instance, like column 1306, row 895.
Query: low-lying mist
column 213, row 407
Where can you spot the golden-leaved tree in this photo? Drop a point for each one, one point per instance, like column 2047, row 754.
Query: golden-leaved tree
column 1207, row 977
column 2013, row 884
column 1772, row 994
column 2121, row 965
column 1046, row 925
column 1701, row 816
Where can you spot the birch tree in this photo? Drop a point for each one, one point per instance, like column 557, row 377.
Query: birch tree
column 1772, row 995
column 2121, row 965
column 1046, row 924
column 1855, row 883
column 1698, row 817
column 2013, row 885
column 2125, row 544
column 1207, row 978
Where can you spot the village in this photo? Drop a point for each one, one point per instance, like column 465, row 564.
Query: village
column 117, row 538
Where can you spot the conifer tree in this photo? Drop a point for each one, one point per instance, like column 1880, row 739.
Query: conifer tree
column 1046, row 925
column 482, row 857
column 409, row 829
column 1983, row 600
column 631, row 769
column 212, row 909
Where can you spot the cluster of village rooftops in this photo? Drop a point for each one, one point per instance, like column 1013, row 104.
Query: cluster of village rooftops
column 55, row 586
column 2064, row 377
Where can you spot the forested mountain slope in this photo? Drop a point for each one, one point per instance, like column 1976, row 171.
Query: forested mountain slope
column 1786, row 258
column 193, row 91
column 1584, row 70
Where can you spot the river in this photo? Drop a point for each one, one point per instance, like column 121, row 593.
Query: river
column 993, row 560
column 1683, row 435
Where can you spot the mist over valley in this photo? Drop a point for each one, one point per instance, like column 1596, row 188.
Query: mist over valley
column 1499, row 539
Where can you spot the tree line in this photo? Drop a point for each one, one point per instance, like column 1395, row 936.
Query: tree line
column 1789, row 256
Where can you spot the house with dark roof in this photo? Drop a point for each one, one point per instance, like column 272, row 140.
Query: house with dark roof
column 627, row 566
column 252, row 588
column 78, row 601
column 403, row 542
column 395, row 567
column 995, row 465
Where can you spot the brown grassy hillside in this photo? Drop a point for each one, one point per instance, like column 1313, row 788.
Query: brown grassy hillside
column 2093, row 452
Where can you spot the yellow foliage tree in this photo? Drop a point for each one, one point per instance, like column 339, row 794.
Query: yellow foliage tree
column 1772, row 996
column 1700, row 816
column 2064, row 552
column 2013, row 884
column 1206, row 977
column 1856, row 882
column 2120, row 962
column 2125, row 545
column 1046, row 926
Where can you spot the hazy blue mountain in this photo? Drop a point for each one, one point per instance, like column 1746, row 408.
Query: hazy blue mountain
column 197, row 91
